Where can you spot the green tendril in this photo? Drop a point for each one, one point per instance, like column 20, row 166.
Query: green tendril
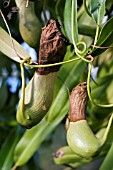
column 96, row 35
column 74, row 27
column 103, row 139
column 23, row 84
column 86, row 9
column 88, row 90
column 50, row 65
column 84, row 47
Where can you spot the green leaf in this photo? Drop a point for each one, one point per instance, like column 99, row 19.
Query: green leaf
column 97, row 10
column 49, row 146
column 59, row 12
column 101, row 11
column 103, row 83
column 101, row 80
column 99, row 94
column 109, row 4
column 99, row 90
column 76, row 69
column 108, row 162
column 7, row 150
column 32, row 138
column 106, row 37
column 11, row 47
column 67, row 19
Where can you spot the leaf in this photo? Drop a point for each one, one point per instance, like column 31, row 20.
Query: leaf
column 99, row 94
column 106, row 37
column 6, row 153
column 49, row 146
column 32, row 138
column 6, row 47
column 67, row 19
column 59, row 12
column 109, row 92
column 109, row 4
column 97, row 10
column 76, row 69
column 102, row 82
column 108, row 161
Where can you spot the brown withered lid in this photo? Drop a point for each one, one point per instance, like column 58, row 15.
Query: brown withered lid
column 52, row 46
column 78, row 102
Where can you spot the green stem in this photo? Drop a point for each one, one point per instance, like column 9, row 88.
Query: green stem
column 74, row 22
column 86, row 9
column 74, row 31
column 89, row 93
column 51, row 65
column 103, row 139
column 96, row 35
column 23, row 84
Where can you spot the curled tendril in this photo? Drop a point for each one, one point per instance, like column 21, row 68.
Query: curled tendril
column 84, row 47
column 79, row 53
column 6, row 3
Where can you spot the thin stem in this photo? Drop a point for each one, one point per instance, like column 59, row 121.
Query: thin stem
column 96, row 35
column 106, row 47
column 14, row 167
column 74, row 31
column 5, row 23
column 86, row 9
column 88, row 61
column 88, row 82
column 74, row 22
column 23, row 86
column 103, row 139
column 51, row 65
column 9, row 33
column 89, row 93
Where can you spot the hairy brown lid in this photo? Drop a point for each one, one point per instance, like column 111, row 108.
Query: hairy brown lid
column 78, row 102
column 52, row 46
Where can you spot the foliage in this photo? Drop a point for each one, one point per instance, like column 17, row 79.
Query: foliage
column 89, row 33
